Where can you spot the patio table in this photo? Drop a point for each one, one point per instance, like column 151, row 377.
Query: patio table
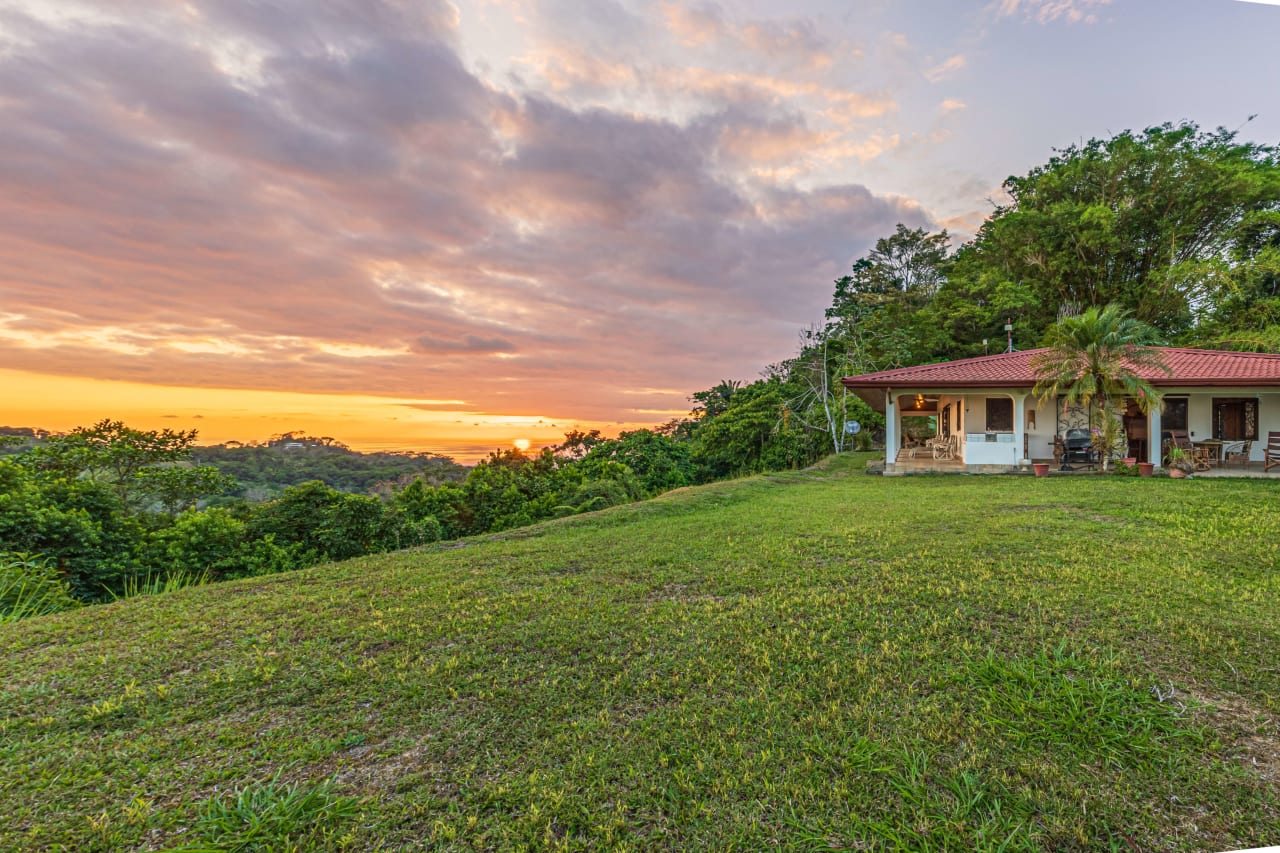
column 1214, row 446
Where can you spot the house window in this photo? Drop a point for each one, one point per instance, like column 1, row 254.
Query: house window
column 999, row 414
column 1235, row 419
column 1174, row 415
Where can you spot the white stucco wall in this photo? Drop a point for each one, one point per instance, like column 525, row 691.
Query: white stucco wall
column 1040, row 437
column 1200, row 415
column 977, row 450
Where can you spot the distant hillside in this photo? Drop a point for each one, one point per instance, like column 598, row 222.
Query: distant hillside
column 819, row 660
column 264, row 470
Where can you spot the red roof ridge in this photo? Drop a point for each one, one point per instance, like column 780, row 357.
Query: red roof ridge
column 971, row 360
column 1202, row 350
column 1188, row 366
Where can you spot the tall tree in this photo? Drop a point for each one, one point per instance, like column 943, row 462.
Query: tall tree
column 874, row 310
column 821, row 403
column 714, row 401
column 1155, row 221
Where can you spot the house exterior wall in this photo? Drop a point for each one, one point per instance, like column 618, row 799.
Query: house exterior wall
column 1028, row 441
column 996, row 448
column 1040, row 436
column 1200, row 414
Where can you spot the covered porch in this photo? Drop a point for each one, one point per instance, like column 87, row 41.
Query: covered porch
column 980, row 415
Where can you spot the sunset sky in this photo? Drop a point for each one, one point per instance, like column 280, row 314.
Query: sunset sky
column 447, row 226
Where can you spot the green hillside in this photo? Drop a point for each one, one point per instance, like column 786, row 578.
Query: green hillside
column 822, row 660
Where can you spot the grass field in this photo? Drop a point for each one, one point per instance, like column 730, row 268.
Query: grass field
column 821, row 660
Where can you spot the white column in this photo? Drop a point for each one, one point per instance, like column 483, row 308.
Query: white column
column 1153, row 437
column 890, row 429
column 1019, row 427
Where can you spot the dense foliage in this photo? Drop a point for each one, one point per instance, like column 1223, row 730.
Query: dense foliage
column 114, row 510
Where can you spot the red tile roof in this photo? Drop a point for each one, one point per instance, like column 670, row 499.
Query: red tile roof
column 1191, row 367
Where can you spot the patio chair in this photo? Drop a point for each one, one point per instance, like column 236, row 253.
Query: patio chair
column 1271, row 456
column 1238, row 452
column 946, row 448
column 1176, row 438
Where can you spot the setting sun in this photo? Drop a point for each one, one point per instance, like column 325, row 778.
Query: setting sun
column 522, row 444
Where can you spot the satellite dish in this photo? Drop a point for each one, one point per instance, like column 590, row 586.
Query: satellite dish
column 853, row 427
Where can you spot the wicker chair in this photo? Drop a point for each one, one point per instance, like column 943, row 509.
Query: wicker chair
column 1238, row 452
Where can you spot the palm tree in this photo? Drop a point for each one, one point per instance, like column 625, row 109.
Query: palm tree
column 1100, row 355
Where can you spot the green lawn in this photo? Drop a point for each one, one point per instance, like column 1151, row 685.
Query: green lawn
column 820, row 660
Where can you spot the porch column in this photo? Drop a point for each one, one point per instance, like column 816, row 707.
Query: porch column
column 1153, row 437
column 1019, row 427
column 890, row 429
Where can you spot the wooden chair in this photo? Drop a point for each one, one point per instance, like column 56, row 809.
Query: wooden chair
column 946, row 447
column 1271, row 456
column 1237, row 453
column 1177, row 438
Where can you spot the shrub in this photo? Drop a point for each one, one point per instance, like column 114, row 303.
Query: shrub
column 31, row 586
column 209, row 541
column 158, row 583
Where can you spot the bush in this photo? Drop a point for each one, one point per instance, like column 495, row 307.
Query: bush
column 209, row 542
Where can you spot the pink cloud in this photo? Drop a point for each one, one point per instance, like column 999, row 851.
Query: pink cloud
column 358, row 212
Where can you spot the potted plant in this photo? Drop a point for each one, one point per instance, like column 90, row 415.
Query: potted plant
column 1146, row 469
column 1179, row 463
column 1041, row 468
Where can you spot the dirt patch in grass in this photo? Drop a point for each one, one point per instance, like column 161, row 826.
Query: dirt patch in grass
column 682, row 592
column 1253, row 737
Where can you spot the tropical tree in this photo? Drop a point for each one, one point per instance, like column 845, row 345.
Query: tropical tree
column 142, row 467
column 715, row 401
column 1166, row 222
column 1100, row 356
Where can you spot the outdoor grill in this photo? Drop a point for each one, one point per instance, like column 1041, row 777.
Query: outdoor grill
column 1077, row 446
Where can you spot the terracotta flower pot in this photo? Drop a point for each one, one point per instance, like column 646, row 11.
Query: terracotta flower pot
column 1131, row 461
column 1145, row 469
column 1177, row 473
column 1041, row 468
